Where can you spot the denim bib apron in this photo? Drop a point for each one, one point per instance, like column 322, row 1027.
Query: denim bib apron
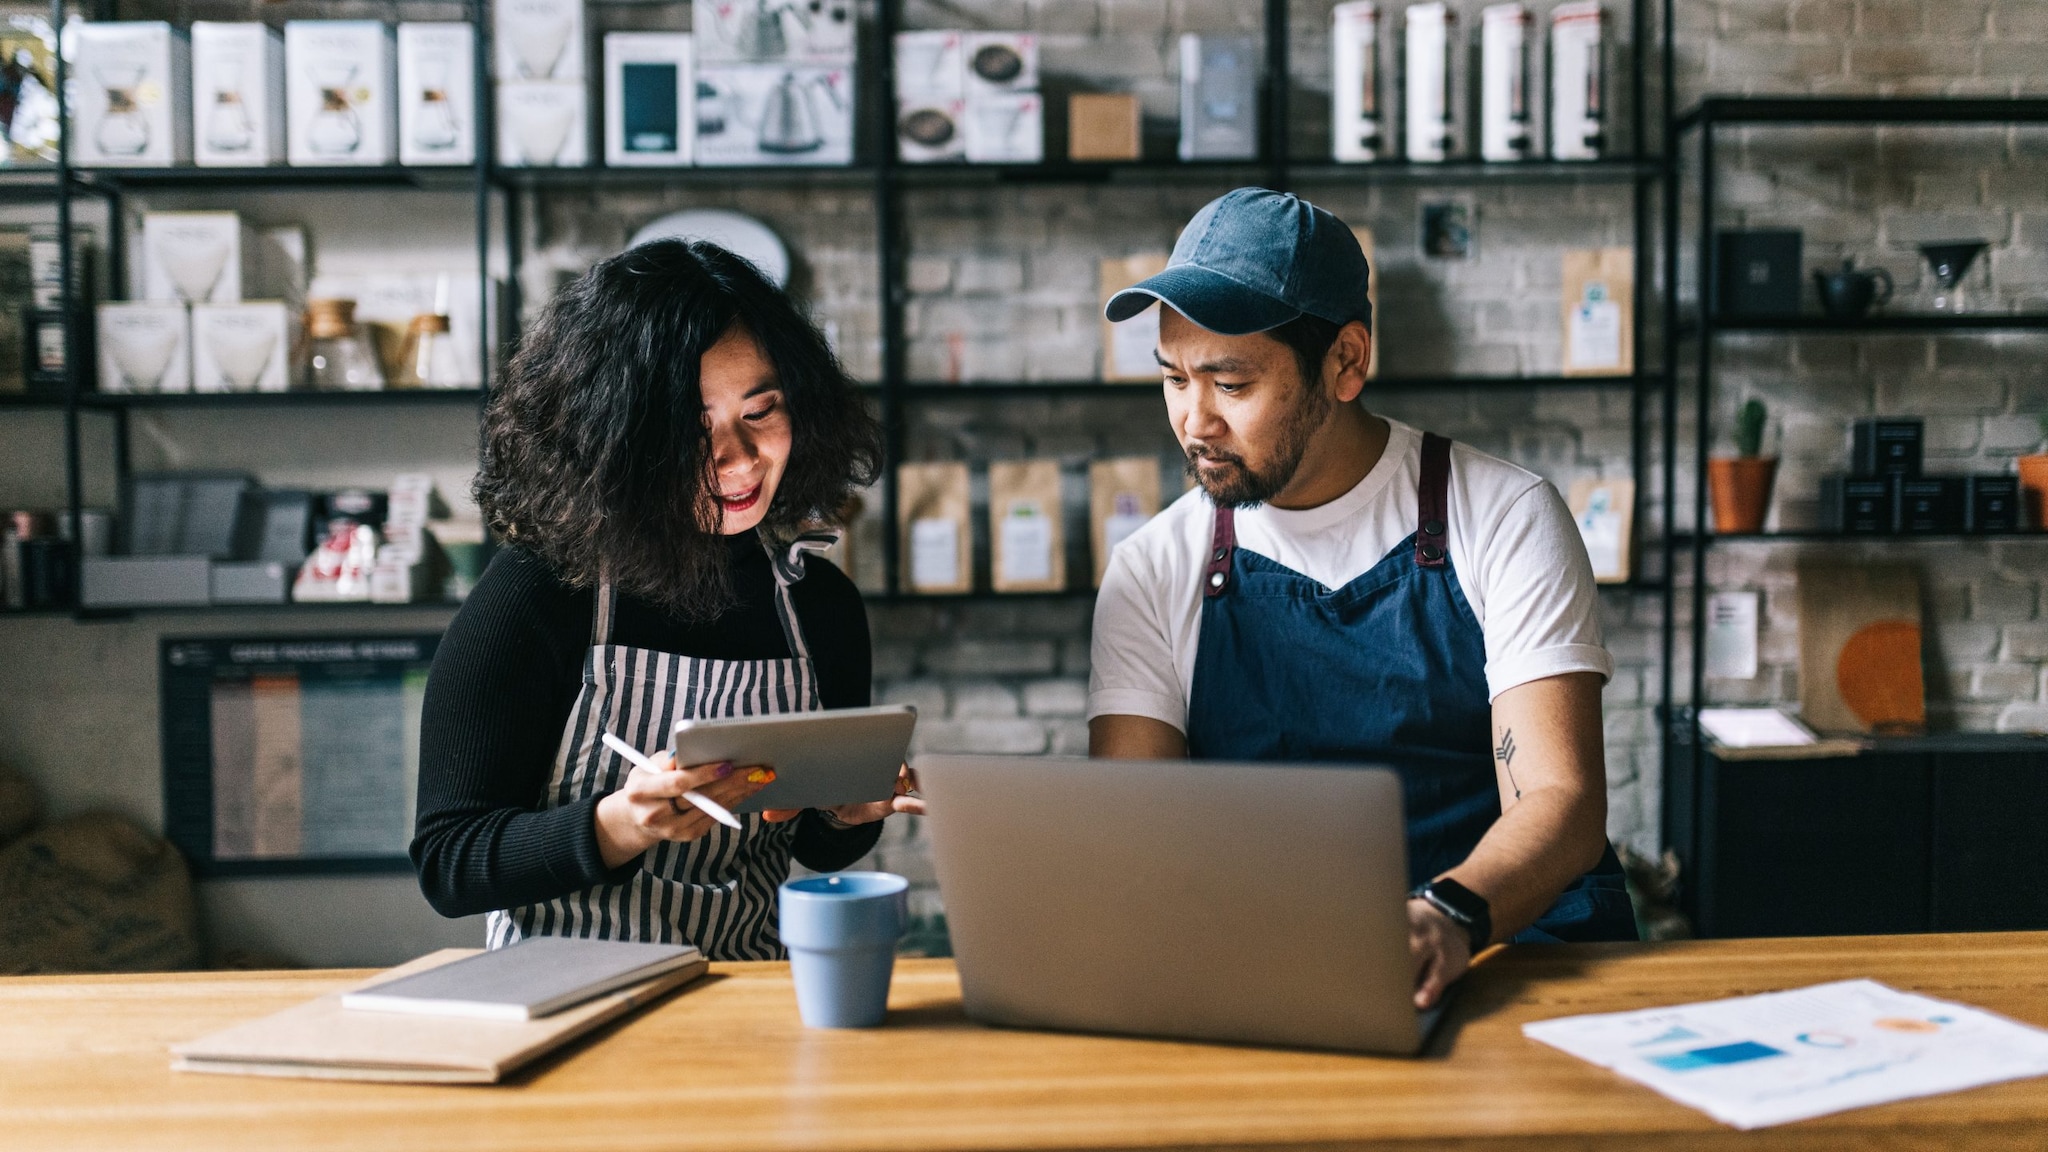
column 1389, row 669
column 717, row 892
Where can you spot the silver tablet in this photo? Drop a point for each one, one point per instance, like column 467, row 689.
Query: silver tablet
column 821, row 759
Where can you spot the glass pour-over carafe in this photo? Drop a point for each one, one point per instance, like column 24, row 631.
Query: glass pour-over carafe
column 335, row 130
column 124, row 130
column 342, row 358
column 434, row 126
column 1949, row 261
column 227, row 122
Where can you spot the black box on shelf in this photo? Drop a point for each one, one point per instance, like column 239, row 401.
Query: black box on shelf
column 1855, row 505
column 1993, row 504
column 1929, row 505
column 1887, row 447
column 1757, row 272
column 42, row 349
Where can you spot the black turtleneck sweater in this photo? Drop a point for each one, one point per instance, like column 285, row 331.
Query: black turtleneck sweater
column 504, row 679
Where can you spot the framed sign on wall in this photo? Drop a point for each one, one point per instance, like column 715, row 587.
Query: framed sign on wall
column 292, row 754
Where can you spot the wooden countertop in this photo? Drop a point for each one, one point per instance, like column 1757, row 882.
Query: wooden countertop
column 725, row 1065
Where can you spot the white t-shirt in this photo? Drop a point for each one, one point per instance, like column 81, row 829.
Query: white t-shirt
column 1517, row 554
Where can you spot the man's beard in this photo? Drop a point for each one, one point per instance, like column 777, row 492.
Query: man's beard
column 1237, row 485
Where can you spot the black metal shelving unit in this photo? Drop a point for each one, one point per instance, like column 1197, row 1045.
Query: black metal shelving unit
column 1641, row 168
column 1684, row 750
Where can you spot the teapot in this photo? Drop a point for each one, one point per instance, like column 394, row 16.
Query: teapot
column 1851, row 292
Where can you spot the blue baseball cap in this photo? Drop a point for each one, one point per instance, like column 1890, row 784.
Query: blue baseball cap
column 1253, row 259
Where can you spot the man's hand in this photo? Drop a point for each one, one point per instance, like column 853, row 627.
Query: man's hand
column 1441, row 951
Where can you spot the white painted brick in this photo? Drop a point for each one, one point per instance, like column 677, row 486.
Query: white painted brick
column 1056, row 697
column 986, row 657
column 2023, row 718
column 2026, row 642
column 2002, row 601
column 982, row 736
column 927, row 696
column 2003, row 681
column 975, row 699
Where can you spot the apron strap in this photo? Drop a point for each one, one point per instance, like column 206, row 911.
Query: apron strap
column 789, row 568
column 1216, row 576
column 1432, row 498
column 607, row 607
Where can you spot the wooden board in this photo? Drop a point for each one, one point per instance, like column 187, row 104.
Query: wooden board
column 1859, row 649
column 727, row 1066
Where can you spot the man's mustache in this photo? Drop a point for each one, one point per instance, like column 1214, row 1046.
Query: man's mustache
column 1202, row 452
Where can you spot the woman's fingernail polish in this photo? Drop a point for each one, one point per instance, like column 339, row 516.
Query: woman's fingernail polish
column 761, row 776
column 724, row 770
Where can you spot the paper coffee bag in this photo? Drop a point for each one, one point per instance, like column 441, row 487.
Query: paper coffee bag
column 1123, row 493
column 1598, row 307
column 1025, row 529
column 937, row 537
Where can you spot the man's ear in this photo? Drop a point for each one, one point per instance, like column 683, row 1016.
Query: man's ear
column 1345, row 365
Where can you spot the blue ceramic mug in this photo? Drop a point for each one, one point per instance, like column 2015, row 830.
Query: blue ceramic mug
column 841, row 932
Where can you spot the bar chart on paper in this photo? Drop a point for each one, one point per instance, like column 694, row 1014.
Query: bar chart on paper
column 292, row 753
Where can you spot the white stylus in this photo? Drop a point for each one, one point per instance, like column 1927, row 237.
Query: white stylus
column 708, row 806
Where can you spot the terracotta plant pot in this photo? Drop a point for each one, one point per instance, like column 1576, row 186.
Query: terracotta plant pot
column 1741, row 488
column 2034, row 487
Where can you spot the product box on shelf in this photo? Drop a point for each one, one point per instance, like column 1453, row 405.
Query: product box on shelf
column 1887, row 446
column 249, row 582
column 436, row 94
column 930, row 66
column 1856, row 506
column 196, row 257
column 1928, row 505
column 340, row 79
column 1219, row 97
column 538, row 40
column 1578, row 103
column 773, row 31
column 1504, row 120
column 1104, row 126
column 543, row 124
column 772, row 114
column 144, row 347
column 997, row 63
column 1427, row 49
column 650, row 94
column 145, row 581
column 133, row 86
column 931, row 129
column 238, row 117
column 242, row 347
column 1757, row 272
column 1356, row 133
column 1006, row 129
column 1993, row 504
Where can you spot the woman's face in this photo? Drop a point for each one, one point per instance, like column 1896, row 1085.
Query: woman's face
column 749, row 423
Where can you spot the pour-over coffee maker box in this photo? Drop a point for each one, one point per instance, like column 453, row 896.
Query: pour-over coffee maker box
column 338, row 93
column 931, row 103
column 196, row 257
column 773, row 31
column 774, row 114
column 538, row 40
column 1219, row 97
column 145, row 347
column 650, row 94
column 237, row 95
column 436, row 94
column 543, row 124
column 133, row 85
column 241, row 347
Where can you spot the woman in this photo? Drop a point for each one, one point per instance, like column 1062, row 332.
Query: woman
column 661, row 438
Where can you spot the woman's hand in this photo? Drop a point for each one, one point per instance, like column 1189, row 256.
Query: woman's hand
column 906, row 800
column 650, row 808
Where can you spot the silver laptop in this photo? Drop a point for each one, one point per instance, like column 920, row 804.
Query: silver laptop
column 1249, row 903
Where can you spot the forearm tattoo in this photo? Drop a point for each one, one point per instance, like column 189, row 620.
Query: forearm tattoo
column 1505, row 753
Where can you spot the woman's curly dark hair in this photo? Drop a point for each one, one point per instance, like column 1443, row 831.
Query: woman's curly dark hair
column 596, row 455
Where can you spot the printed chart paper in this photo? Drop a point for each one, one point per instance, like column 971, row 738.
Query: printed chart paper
column 1755, row 1061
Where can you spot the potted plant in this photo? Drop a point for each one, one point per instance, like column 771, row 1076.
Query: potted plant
column 2034, row 479
column 1741, row 486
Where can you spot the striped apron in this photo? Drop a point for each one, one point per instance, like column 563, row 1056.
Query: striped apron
column 718, row 892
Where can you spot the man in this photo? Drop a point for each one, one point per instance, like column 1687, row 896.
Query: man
column 1344, row 588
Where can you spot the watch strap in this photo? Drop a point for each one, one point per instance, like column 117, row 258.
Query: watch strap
column 1463, row 907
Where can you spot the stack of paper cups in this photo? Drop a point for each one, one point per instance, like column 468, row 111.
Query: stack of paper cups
column 1355, row 72
column 1430, row 28
column 1504, row 82
column 1577, row 109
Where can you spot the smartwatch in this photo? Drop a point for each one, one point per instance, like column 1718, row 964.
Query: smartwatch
column 1465, row 908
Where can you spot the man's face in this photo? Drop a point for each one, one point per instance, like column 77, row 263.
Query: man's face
column 1240, row 408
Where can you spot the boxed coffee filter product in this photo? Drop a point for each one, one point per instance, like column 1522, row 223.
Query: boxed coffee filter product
column 1007, row 128
column 931, row 130
column 1219, row 97
column 238, row 116
column 543, row 124
column 1578, row 101
column 774, row 114
column 132, row 84
column 242, row 347
column 144, row 347
column 774, row 31
column 537, row 40
column 929, row 66
column 436, row 94
column 1130, row 349
column 1356, row 129
column 1123, row 493
column 196, row 257
column 340, row 78
column 933, row 516
column 1431, row 31
column 1504, row 117
column 1026, row 526
column 650, row 114
column 1599, row 307
column 995, row 63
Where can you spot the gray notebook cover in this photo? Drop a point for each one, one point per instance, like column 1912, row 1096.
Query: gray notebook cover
column 529, row 979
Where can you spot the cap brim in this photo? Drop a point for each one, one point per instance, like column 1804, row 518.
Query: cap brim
column 1210, row 299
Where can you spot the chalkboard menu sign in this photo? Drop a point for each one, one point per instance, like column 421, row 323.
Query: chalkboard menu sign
column 292, row 754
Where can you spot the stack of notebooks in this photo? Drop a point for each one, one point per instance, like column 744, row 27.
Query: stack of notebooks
column 452, row 1017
